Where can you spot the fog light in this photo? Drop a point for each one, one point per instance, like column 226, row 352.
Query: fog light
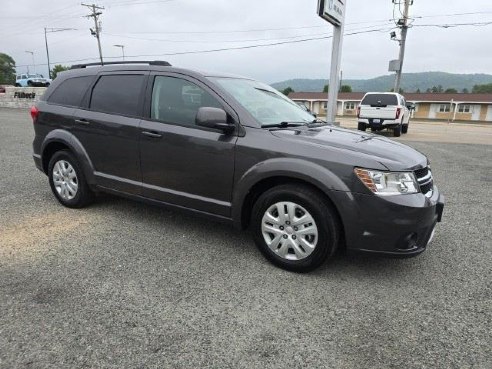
column 409, row 242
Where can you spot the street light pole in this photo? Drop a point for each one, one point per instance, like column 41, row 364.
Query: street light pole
column 122, row 50
column 47, row 53
column 33, row 62
column 51, row 30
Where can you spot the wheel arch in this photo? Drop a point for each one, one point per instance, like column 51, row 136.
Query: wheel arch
column 60, row 139
column 267, row 175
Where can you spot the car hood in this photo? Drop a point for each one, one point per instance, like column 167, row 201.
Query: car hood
column 391, row 154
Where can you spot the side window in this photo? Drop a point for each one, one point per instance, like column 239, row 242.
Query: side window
column 118, row 94
column 175, row 100
column 71, row 91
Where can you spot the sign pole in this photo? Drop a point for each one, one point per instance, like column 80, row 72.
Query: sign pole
column 333, row 11
column 336, row 58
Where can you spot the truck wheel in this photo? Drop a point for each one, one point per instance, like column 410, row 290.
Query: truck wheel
column 67, row 181
column 361, row 126
column 17, row 85
column 29, row 83
column 294, row 227
column 397, row 131
column 404, row 128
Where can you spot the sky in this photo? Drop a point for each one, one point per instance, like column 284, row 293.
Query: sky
column 149, row 29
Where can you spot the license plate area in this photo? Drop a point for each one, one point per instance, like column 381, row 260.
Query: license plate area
column 376, row 121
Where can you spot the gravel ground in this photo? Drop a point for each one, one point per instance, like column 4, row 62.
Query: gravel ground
column 126, row 285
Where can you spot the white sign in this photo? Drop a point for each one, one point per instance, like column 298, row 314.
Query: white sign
column 332, row 10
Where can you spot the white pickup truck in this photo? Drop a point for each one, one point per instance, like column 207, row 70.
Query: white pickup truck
column 380, row 110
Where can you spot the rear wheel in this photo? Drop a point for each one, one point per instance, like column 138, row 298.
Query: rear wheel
column 397, row 131
column 361, row 126
column 29, row 83
column 67, row 180
column 294, row 227
column 404, row 128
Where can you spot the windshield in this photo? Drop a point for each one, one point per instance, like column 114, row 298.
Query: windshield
column 266, row 104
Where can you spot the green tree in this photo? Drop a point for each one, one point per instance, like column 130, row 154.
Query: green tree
column 418, row 91
column 325, row 89
column 57, row 69
column 7, row 69
column 465, row 91
column 346, row 88
column 451, row 91
column 287, row 91
column 482, row 89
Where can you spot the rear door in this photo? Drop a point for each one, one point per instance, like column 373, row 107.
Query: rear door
column 108, row 129
column 182, row 163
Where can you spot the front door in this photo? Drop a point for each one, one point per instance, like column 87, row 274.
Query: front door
column 182, row 163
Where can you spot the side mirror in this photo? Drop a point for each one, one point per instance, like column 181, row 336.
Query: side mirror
column 411, row 106
column 213, row 118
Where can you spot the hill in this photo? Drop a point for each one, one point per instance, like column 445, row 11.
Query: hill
column 410, row 82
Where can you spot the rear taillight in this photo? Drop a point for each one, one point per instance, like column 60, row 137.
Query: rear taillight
column 398, row 112
column 358, row 112
column 34, row 114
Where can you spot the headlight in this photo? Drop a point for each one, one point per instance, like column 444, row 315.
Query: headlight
column 388, row 183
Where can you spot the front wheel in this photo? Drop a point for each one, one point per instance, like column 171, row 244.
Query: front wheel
column 295, row 227
column 67, row 181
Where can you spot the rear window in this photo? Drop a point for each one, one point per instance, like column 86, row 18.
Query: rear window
column 118, row 94
column 380, row 100
column 71, row 91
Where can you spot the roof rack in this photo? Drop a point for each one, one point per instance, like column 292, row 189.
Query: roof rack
column 151, row 62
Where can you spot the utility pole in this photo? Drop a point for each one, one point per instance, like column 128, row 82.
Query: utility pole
column 95, row 9
column 403, row 24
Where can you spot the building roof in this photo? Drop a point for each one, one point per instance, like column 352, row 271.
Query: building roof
column 422, row 97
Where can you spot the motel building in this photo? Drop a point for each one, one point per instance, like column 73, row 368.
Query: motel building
column 447, row 107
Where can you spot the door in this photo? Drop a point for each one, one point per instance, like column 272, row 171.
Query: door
column 108, row 129
column 182, row 163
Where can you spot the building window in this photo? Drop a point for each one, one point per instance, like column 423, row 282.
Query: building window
column 325, row 105
column 350, row 105
column 464, row 108
column 444, row 108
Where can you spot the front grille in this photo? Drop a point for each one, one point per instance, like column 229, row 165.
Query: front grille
column 425, row 180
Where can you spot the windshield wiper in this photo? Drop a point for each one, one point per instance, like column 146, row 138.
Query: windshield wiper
column 286, row 124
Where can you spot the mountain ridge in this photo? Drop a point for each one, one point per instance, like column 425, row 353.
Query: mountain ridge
column 410, row 82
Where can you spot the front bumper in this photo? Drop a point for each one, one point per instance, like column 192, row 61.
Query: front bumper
column 398, row 226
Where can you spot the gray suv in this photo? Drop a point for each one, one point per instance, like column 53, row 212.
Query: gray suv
column 235, row 150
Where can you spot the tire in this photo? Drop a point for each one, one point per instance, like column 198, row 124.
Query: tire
column 29, row 83
column 404, row 128
column 303, row 201
column 17, row 85
column 397, row 131
column 64, row 184
column 361, row 126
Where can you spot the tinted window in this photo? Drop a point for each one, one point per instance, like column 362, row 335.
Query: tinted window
column 176, row 100
column 380, row 100
column 117, row 94
column 71, row 91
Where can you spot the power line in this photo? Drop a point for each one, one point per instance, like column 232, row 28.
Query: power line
column 220, row 49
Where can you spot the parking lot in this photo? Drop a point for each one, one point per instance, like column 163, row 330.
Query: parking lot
column 126, row 285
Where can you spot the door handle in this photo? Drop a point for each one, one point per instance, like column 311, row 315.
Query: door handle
column 151, row 134
column 82, row 121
